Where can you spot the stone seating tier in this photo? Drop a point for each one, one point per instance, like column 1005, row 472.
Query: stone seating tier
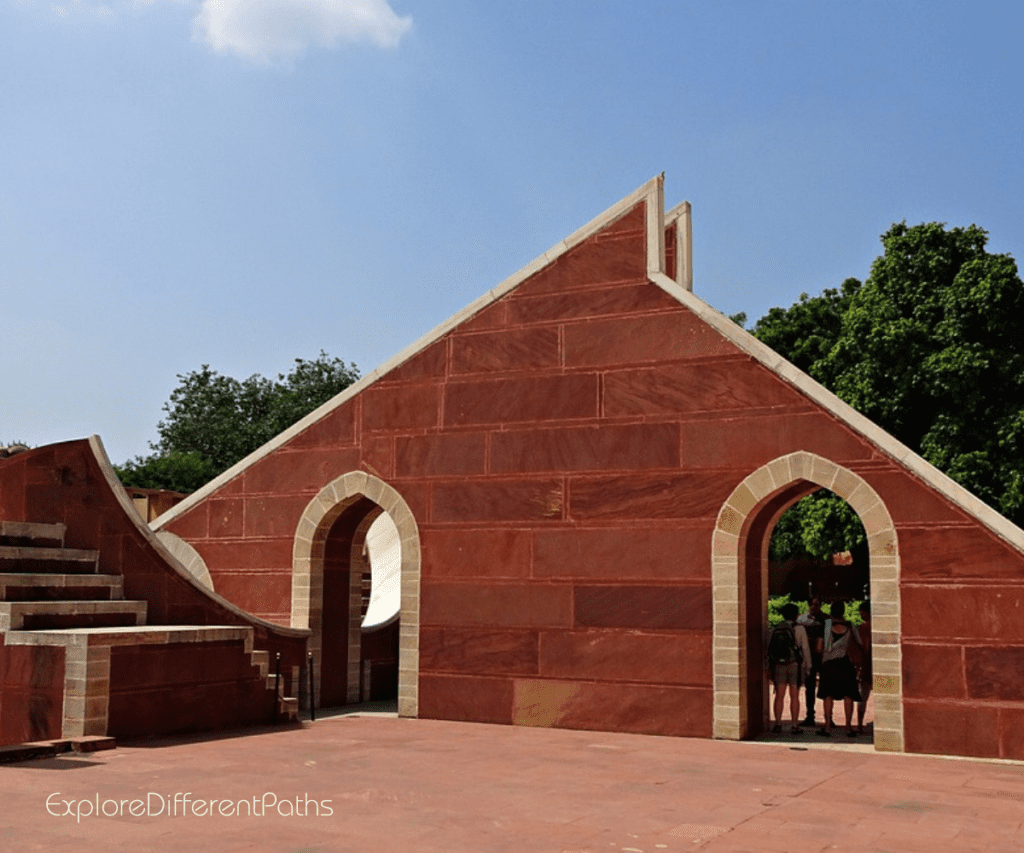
column 115, row 666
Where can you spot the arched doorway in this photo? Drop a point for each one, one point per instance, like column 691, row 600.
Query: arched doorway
column 328, row 564
column 739, row 578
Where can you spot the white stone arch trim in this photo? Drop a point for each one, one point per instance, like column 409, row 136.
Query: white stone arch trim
column 729, row 655
column 307, row 573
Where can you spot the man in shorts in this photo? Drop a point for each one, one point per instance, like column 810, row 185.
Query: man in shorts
column 789, row 661
column 813, row 622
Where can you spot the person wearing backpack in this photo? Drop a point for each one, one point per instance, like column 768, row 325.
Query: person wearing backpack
column 789, row 661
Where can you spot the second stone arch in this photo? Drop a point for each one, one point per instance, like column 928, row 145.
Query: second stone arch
column 739, row 570
column 328, row 563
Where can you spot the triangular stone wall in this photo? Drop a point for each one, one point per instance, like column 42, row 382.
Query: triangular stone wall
column 589, row 459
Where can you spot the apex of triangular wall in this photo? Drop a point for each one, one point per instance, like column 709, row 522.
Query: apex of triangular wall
column 651, row 194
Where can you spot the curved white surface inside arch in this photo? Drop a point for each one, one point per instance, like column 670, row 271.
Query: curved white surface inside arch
column 384, row 549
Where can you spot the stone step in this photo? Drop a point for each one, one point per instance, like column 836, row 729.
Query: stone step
column 289, row 706
column 48, row 587
column 16, row 559
column 49, row 615
column 80, row 644
column 52, row 748
column 33, row 751
column 31, row 533
column 86, row 743
column 261, row 659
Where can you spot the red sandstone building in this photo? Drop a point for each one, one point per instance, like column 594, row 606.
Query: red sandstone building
column 584, row 467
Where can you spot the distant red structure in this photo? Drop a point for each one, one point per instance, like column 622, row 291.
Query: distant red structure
column 837, row 577
column 585, row 466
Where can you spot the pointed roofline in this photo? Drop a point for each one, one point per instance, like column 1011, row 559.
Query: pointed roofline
column 651, row 192
column 818, row 393
column 679, row 217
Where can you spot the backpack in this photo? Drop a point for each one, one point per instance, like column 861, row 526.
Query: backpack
column 782, row 647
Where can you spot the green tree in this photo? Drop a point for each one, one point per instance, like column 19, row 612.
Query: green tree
column 830, row 526
column 930, row 350
column 775, row 603
column 806, row 331
column 179, row 472
column 821, row 524
column 213, row 421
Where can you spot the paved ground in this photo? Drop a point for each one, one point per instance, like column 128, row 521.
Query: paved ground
column 421, row 785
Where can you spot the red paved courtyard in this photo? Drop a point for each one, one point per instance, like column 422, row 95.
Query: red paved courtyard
column 420, row 785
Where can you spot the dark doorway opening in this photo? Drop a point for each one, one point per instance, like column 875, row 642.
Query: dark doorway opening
column 806, row 543
column 357, row 664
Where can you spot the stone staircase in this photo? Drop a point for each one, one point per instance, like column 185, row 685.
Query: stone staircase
column 52, row 596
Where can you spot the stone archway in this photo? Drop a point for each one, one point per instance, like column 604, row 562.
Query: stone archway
column 308, row 571
column 741, row 532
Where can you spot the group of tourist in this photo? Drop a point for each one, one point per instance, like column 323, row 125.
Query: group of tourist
column 826, row 654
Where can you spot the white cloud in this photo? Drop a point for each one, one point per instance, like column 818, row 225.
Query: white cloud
column 260, row 30
column 269, row 30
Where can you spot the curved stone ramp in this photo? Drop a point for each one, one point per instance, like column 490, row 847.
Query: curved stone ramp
column 104, row 632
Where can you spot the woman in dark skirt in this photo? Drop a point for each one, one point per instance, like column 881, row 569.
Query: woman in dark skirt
column 838, row 679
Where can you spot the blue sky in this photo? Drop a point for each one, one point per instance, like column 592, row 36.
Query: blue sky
column 244, row 182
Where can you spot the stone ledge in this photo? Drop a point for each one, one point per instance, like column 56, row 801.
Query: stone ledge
column 33, row 530
column 127, row 635
column 26, row 752
column 51, row 748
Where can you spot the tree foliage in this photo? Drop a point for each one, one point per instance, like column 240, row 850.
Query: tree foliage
column 821, row 524
column 929, row 349
column 179, row 472
column 776, row 603
column 213, row 421
column 806, row 331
